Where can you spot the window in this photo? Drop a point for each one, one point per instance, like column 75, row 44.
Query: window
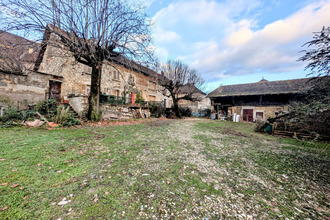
column 131, row 79
column 116, row 75
column 260, row 115
column 152, row 85
column 88, row 90
column 152, row 98
column 87, row 69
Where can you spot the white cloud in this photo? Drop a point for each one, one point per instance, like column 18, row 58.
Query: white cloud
column 166, row 36
column 220, row 39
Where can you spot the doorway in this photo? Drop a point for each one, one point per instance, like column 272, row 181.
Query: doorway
column 55, row 90
column 248, row 115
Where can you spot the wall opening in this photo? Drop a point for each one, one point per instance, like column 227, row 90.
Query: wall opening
column 55, row 90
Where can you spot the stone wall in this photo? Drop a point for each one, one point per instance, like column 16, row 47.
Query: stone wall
column 268, row 111
column 20, row 90
column 196, row 106
column 120, row 112
column 77, row 77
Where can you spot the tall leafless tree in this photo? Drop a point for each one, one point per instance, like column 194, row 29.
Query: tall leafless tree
column 180, row 82
column 92, row 30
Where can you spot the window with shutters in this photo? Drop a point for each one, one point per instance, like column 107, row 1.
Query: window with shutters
column 116, row 75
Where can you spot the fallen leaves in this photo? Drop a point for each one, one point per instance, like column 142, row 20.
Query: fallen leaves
column 2, row 159
column 106, row 193
column 14, row 185
column 96, row 199
column 5, row 208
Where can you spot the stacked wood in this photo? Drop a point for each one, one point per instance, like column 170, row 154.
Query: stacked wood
column 300, row 135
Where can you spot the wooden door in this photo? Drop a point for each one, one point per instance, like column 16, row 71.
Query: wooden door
column 55, row 90
column 248, row 115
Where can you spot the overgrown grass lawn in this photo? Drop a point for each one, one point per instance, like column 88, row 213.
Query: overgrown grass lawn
column 165, row 169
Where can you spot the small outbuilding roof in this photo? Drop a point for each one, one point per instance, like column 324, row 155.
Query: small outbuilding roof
column 190, row 89
column 19, row 48
column 263, row 87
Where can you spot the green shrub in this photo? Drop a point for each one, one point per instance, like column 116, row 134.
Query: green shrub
column 47, row 108
column 185, row 112
column 11, row 114
column 96, row 116
column 65, row 117
column 157, row 111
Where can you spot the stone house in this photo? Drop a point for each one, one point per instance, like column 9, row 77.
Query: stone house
column 199, row 103
column 262, row 99
column 50, row 71
column 19, row 85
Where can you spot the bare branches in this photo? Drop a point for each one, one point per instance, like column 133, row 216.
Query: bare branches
column 17, row 54
column 92, row 29
column 318, row 56
column 177, row 77
column 181, row 82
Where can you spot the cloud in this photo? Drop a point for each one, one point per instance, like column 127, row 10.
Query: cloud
column 223, row 38
column 166, row 36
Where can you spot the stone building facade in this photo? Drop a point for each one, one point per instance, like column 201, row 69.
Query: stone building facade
column 115, row 77
column 21, row 89
column 61, row 77
column 51, row 71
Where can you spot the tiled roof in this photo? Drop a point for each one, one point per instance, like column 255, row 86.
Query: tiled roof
column 188, row 88
column 263, row 87
column 13, row 46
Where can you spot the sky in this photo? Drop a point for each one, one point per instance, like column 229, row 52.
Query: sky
column 237, row 41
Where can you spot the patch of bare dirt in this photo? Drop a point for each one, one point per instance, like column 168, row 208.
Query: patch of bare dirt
column 232, row 132
column 160, row 122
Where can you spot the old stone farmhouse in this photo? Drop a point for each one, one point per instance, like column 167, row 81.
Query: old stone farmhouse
column 262, row 99
column 50, row 71
column 30, row 72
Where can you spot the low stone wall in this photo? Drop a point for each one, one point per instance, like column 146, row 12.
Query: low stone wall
column 121, row 112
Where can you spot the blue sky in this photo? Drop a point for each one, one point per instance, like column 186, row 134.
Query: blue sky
column 237, row 41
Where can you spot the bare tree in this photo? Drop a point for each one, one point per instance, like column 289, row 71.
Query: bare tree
column 92, row 30
column 180, row 82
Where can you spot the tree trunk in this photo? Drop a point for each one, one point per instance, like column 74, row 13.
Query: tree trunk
column 176, row 107
column 94, row 96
